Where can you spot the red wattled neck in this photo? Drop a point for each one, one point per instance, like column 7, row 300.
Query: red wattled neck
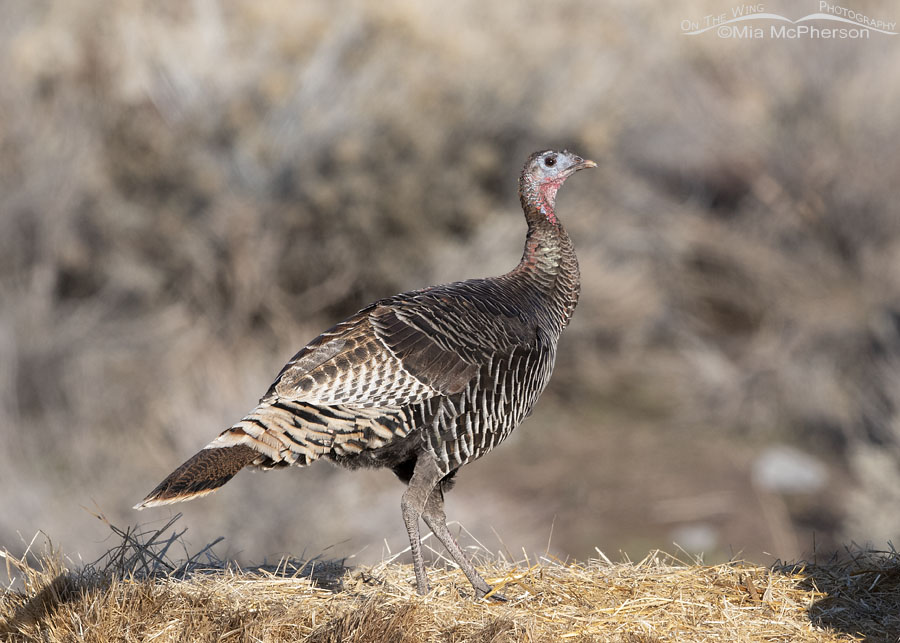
column 539, row 200
column 548, row 260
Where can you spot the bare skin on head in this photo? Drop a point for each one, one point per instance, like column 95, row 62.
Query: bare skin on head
column 420, row 383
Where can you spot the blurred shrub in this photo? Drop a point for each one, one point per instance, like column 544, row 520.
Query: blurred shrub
column 188, row 193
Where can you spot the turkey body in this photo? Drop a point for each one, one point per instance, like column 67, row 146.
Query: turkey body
column 420, row 383
column 450, row 370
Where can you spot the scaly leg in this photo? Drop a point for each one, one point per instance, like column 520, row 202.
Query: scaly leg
column 424, row 479
column 436, row 519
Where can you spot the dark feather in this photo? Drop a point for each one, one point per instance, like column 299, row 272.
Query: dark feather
column 441, row 369
column 204, row 473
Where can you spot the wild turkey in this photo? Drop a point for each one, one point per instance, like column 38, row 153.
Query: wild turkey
column 420, row 383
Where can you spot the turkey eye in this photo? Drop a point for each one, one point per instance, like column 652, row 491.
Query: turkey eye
column 550, row 161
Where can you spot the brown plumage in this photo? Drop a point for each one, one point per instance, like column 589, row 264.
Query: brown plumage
column 421, row 383
column 202, row 474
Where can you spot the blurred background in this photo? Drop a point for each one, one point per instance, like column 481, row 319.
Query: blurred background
column 189, row 192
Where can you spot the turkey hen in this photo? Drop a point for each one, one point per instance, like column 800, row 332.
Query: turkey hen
column 420, row 383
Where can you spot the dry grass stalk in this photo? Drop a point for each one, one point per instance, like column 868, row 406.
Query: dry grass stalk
column 136, row 593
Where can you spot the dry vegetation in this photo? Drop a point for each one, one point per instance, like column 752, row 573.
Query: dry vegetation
column 136, row 593
column 191, row 191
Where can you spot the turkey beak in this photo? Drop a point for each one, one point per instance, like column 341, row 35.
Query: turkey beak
column 579, row 164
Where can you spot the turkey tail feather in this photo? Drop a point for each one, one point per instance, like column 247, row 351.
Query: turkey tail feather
column 202, row 474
